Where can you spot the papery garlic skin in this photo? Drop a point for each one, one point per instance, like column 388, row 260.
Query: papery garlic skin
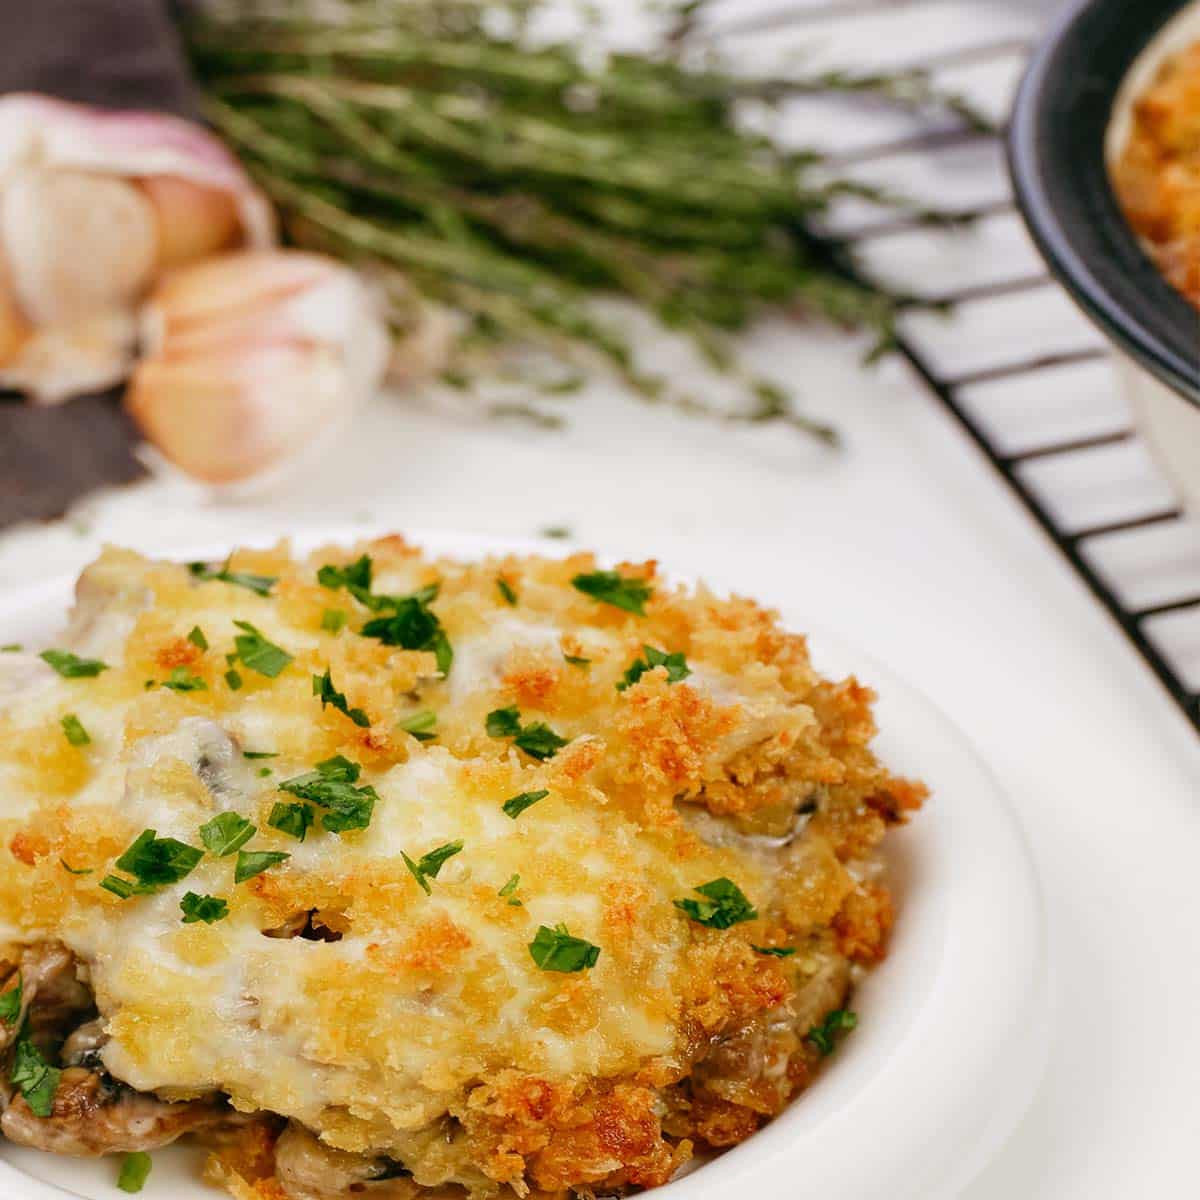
column 94, row 206
column 252, row 360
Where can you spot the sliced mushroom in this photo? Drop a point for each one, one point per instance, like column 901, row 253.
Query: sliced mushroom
column 307, row 1169
column 53, row 997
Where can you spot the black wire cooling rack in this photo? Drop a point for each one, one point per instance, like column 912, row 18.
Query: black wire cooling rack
column 1076, row 543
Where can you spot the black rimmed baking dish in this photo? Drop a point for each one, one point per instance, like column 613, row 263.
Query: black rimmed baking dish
column 1078, row 80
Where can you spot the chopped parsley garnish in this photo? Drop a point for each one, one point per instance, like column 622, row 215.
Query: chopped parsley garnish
column 537, row 740
column 331, row 786
column 10, row 1002
column 509, row 890
column 255, row 862
column 413, row 625
column 724, row 904
column 824, row 1036
column 74, row 730
column 225, row 833
column 260, row 753
column 515, row 806
column 576, row 661
column 34, row 1077
column 183, row 680
column 774, row 951
column 611, row 587
column 292, row 819
column 355, row 577
column 557, row 532
column 428, row 865
column 332, row 619
column 233, row 679
column 322, row 686
column 153, row 862
column 135, row 1170
column 422, row 725
column 263, row 772
column 675, row 664
column 71, row 666
column 70, row 870
column 260, row 584
column 257, row 653
column 506, row 590
column 209, row 909
column 12, row 648
column 556, row 950
column 197, row 638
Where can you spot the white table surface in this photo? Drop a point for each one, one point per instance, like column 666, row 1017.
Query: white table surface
column 906, row 543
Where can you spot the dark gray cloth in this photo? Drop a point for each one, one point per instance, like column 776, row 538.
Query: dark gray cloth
column 118, row 54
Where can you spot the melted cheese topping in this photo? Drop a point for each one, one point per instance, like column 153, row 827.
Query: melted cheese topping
column 422, row 999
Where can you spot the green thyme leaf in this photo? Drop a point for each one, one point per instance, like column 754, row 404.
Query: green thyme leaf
column 226, row 833
column 556, row 950
column 259, row 584
column 74, row 730
column 36, row 1080
column 724, row 904
column 515, row 806
column 825, row 1035
column 71, row 666
column 505, row 589
column 610, row 587
column 255, row 862
column 135, row 1170
column 322, row 686
column 292, row 819
column 675, row 664
column 10, row 1001
column 197, row 638
column 209, row 909
column 156, row 861
column 258, row 653
column 421, row 725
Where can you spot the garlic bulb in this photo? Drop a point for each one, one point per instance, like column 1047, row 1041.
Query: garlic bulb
column 253, row 358
column 94, row 206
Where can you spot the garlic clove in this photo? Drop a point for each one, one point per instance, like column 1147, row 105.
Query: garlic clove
column 55, row 362
column 251, row 360
column 192, row 220
column 77, row 244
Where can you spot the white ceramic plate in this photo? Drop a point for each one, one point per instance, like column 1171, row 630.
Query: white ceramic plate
column 953, row 1027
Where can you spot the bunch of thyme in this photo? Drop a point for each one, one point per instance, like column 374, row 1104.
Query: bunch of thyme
column 433, row 144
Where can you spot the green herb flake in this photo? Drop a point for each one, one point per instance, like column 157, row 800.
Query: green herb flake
column 509, row 891
column 556, row 532
column 10, row 1002
column 428, row 865
column 70, row 870
column 333, row 619
column 556, row 950
column 255, row 754
column 263, row 772
column 233, row 679
column 293, row 819
column 824, row 1036
column 255, row 862
column 36, row 1080
column 503, row 722
column 515, row 806
column 774, row 951
column 412, row 625
column 12, row 648
column 506, row 591
column 74, row 730
column 209, row 909
column 322, row 686
column 258, row 653
column 355, row 576
column 226, row 833
column 610, row 587
column 724, row 904
column 421, row 725
column 331, row 786
column 675, row 664
column 576, row 661
column 121, row 888
column 259, row 584
column 197, row 638
column 135, row 1170
column 537, row 740
column 71, row 666
column 183, row 680
column 155, row 862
